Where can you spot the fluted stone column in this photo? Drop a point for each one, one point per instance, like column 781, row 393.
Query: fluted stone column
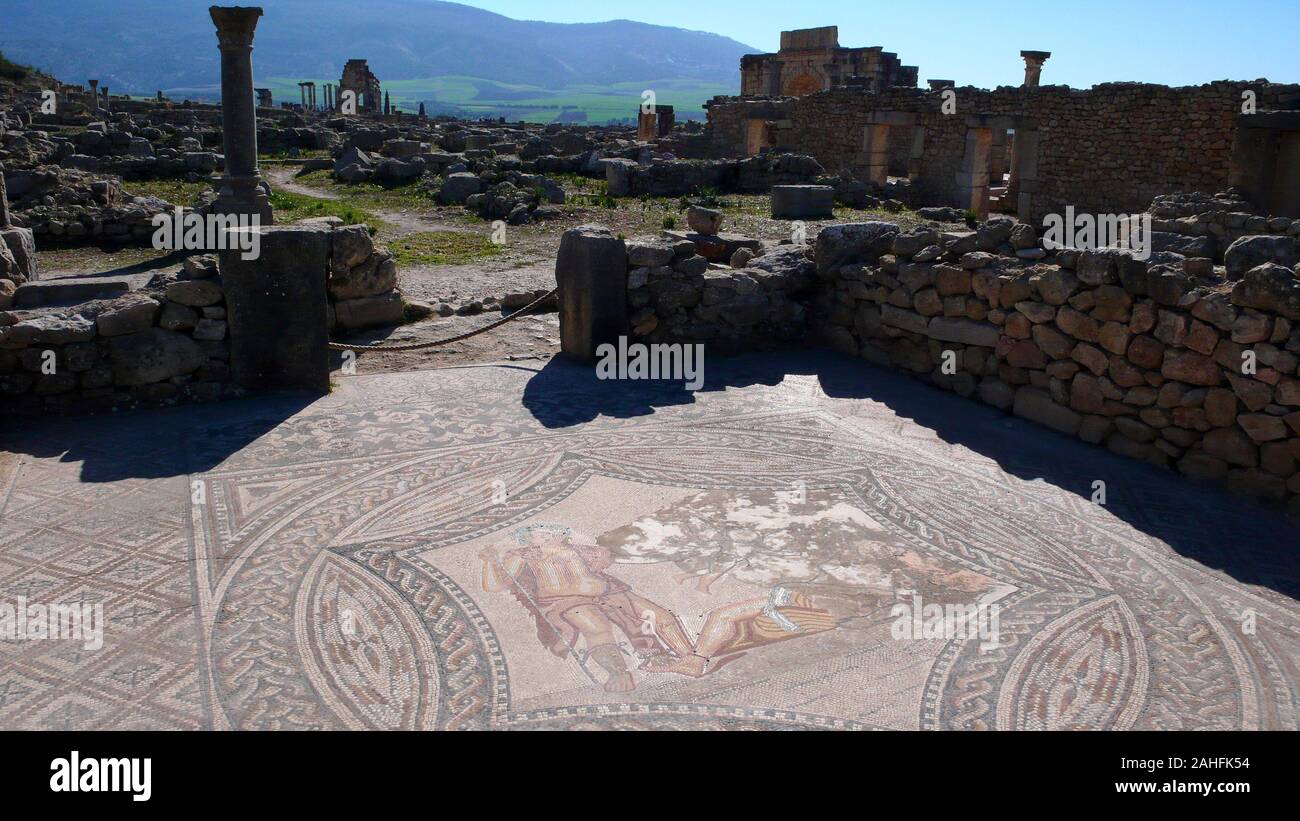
column 240, row 190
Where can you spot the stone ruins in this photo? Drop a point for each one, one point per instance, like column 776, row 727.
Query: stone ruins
column 1185, row 358
column 811, row 60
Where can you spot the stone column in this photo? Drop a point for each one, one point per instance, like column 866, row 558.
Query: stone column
column 240, row 190
column 106, row 98
column 94, row 94
column 302, row 95
column 591, row 272
column 388, row 108
column 1034, row 66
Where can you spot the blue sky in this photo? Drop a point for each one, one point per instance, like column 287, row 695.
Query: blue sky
column 1174, row 42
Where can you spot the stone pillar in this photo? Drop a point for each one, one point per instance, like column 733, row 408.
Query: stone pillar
column 388, row 108
column 240, row 191
column 302, row 95
column 875, row 147
column 1034, row 66
column 94, row 94
column 106, row 107
column 277, row 308
column 666, row 117
column 591, row 272
column 645, row 125
column 422, row 114
column 973, row 179
column 1025, row 173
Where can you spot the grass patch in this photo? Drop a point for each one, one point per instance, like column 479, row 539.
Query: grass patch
column 414, row 194
column 303, row 154
column 177, row 191
column 442, row 248
column 290, row 207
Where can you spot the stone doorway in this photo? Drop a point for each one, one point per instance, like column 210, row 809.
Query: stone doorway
column 999, row 170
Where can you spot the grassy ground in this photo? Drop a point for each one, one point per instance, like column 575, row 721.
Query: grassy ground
column 303, row 154
column 442, row 248
column 177, row 192
column 368, row 194
column 290, row 207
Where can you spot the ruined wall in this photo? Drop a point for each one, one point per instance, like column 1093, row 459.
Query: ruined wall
column 1111, row 148
column 1145, row 358
column 674, row 295
column 677, row 178
column 163, row 344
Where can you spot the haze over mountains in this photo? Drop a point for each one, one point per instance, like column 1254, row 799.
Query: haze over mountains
column 139, row 46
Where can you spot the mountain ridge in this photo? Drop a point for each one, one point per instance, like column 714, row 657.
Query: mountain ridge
column 401, row 39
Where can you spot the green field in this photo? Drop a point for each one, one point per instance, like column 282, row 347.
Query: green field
column 475, row 97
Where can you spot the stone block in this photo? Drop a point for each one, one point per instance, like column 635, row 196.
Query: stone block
column 803, row 202
column 1037, row 406
column 276, row 309
column 591, row 271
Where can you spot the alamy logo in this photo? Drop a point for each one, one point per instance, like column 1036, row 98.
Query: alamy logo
column 1090, row 232
column 77, row 774
column 655, row 361
column 24, row 621
column 192, row 231
column 917, row 620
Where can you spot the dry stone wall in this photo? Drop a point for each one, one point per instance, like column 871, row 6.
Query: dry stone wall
column 162, row 344
column 1156, row 360
column 675, row 295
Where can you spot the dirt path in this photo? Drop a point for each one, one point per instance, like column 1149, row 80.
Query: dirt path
column 534, row 337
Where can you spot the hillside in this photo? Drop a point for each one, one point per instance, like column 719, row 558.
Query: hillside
column 140, row 46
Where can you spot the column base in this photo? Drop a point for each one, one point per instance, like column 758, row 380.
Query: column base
column 243, row 195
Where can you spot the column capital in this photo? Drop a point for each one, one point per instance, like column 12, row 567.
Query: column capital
column 235, row 25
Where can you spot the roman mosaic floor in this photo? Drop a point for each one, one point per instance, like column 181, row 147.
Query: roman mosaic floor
column 508, row 547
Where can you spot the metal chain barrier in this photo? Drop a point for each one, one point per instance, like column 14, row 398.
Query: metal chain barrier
column 414, row 346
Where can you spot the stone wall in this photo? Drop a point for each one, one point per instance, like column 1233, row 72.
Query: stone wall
column 677, row 178
column 676, row 295
column 1145, row 358
column 1111, row 148
column 184, row 335
column 362, row 282
column 162, row 344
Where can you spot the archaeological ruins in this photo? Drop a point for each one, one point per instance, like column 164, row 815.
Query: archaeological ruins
column 904, row 235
